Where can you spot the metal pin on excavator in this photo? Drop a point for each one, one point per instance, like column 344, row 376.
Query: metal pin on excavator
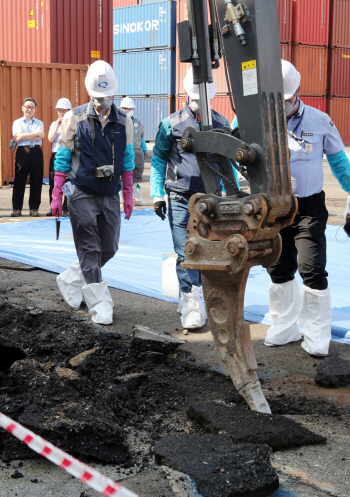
column 228, row 235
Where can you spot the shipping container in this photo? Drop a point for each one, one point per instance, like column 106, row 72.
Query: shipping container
column 117, row 4
column 150, row 72
column 56, row 31
column 316, row 102
column 285, row 20
column 145, row 26
column 182, row 67
column 46, row 83
column 339, row 111
column 286, row 51
column 311, row 22
column 339, row 27
column 311, row 62
column 220, row 103
column 150, row 111
column 339, row 72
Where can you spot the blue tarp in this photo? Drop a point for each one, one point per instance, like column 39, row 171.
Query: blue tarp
column 137, row 267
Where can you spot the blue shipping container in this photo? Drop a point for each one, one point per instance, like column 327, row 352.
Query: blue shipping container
column 150, row 111
column 150, row 72
column 144, row 26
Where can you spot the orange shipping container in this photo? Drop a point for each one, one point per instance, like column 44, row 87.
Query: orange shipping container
column 311, row 22
column 46, row 83
column 339, row 35
column 56, row 31
column 286, row 51
column 339, row 72
column 311, row 62
column 285, row 20
column 339, row 111
column 124, row 3
column 220, row 103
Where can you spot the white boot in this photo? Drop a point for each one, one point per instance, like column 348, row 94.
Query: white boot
column 192, row 309
column 284, row 310
column 137, row 194
column 70, row 283
column 99, row 301
column 315, row 320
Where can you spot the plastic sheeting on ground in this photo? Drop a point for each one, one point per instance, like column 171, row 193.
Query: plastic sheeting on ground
column 137, row 267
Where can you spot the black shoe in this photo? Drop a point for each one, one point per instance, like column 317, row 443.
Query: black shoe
column 49, row 213
column 65, row 213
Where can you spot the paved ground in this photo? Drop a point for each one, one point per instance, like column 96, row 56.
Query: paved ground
column 314, row 471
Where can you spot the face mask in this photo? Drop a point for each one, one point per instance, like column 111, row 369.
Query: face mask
column 130, row 113
column 194, row 106
column 102, row 103
column 289, row 106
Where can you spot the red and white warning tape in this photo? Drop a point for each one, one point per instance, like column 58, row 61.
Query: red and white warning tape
column 88, row 475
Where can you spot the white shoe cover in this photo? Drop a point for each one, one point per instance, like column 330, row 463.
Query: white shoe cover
column 99, row 301
column 137, row 194
column 121, row 198
column 193, row 314
column 284, row 310
column 70, row 283
column 315, row 320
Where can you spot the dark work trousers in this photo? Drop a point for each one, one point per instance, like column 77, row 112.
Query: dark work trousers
column 96, row 228
column 304, row 245
column 28, row 161
column 52, row 181
column 139, row 167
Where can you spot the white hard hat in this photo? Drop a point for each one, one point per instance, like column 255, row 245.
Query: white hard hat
column 63, row 103
column 291, row 79
column 100, row 80
column 127, row 103
column 192, row 90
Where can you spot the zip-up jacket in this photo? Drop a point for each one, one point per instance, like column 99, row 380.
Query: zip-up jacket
column 76, row 156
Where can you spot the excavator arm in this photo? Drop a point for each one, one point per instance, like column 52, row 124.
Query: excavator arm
column 228, row 235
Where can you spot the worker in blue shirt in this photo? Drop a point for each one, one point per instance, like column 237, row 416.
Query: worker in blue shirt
column 28, row 133
column 311, row 133
column 176, row 173
column 94, row 151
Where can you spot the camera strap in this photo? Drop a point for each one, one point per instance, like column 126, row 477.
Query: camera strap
column 93, row 137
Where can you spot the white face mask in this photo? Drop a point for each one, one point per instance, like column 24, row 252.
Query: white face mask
column 289, row 106
column 131, row 113
column 194, row 105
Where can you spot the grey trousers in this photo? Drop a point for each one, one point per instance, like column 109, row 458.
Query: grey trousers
column 96, row 229
column 139, row 168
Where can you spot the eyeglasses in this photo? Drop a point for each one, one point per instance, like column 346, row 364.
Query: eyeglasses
column 29, row 108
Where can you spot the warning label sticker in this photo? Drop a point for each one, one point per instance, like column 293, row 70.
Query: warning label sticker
column 250, row 78
column 95, row 54
column 31, row 24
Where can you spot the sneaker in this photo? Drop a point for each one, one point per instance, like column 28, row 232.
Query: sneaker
column 16, row 213
column 65, row 213
column 34, row 213
column 49, row 213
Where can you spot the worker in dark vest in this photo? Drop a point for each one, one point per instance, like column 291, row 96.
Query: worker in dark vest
column 95, row 150
column 175, row 176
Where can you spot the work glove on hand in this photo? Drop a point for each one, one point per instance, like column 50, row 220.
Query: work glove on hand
column 347, row 208
column 145, row 154
column 57, row 193
column 13, row 144
column 127, row 179
column 160, row 208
